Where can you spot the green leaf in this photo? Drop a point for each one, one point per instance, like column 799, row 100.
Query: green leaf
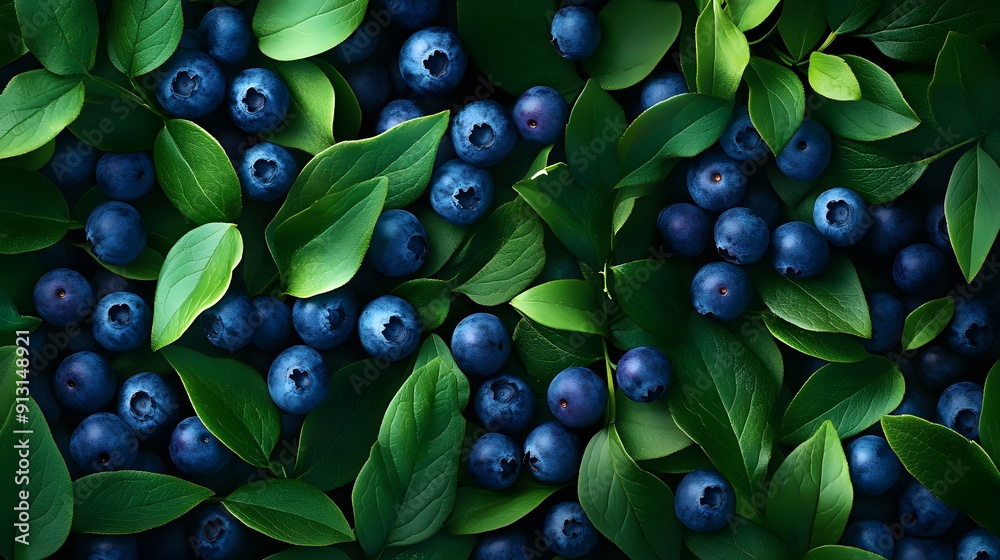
column 654, row 294
column 989, row 419
column 635, row 34
column 34, row 107
column 830, row 302
column 115, row 123
column 11, row 320
column 846, row 16
column 232, row 400
column 777, row 101
column 443, row 239
column 259, row 270
column 142, row 34
column 34, row 214
column 831, row 347
column 309, row 123
column 595, row 126
column 125, row 502
column 309, row 247
column 13, row 47
column 961, row 93
column 914, row 32
column 415, row 462
column 840, row 552
column 742, row 540
column 813, row 495
column 146, row 266
column 722, row 53
column 196, row 174
column 851, row 396
column 874, row 170
column 748, row 14
column 305, row 28
column 35, row 159
column 478, row 510
column 62, row 35
column 684, row 461
column 435, row 347
column 310, row 553
column 568, row 305
column 955, row 469
column 346, row 111
column 194, row 277
column 545, row 352
column 430, row 297
column 832, row 77
column 969, row 205
column 924, row 323
column 290, row 511
column 441, row 546
column 509, row 42
column 631, row 507
column 647, row 430
column 801, row 25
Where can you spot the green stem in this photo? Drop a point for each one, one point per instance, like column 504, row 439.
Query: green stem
column 826, row 43
column 132, row 96
column 611, row 382
column 766, row 35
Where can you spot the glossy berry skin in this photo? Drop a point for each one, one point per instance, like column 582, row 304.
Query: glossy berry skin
column 914, row 548
column 258, row 100
column 918, row 270
column 147, row 404
column 481, row 344
column 195, row 451
column 125, row 176
column 686, row 229
column 63, row 296
column 741, row 141
column 741, row 236
column 540, row 115
column 461, row 193
column 807, row 154
column 298, row 381
column 923, row 513
column 107, row 547
column 397, row 112
column 873, row 465
column 502, row 545
column 873, row 536
column 433, row 61
column 568, row 531
column 704, row 501
column 482, row 133
column 936, row 228
column 411, row 14
column 274, row 323
column 939, row 366
column 716, row 181
column 192, row 87
column 960, row 407
column 122, row 321
column 576, row 32
column 116, row 233
column 389, row 328
column 103, row 442
column 216, row 534
column 577, row 397
column 399, row 244
column 888, row 316
column 552, row 453
column 495, row 461
column 798, row 250
column 841, row 216
column 661, row 86
column 225, row 35
column 978, row 544
column 229, row 324
column 643, row 374
column 972, row 329
column 72, row 165
column 327, row 320
column 505, row 404
column 721, row 291
column 84, row 383
column 893, row 227
column 266, row 171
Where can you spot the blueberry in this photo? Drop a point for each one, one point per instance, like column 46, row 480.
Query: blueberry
column 568, row 531
column 72, row 165
column 399, row 243
column 873, row 465
column 147, row 404
column 359, row 45
column 225, row 35
column 939, row 366
column 481, row 344
column 122, row 321
column 125, row 176
column 923, row 514
column 258, row 100
column 327, row 320
column 216, row 534
column 841, row 216
column 643, row 374
column 761, row 198
column 741, row 141
column 959, row 408
column 397, row 112
column 873, row 536
column 913, row 548
column 807, row 154
column 918, row 270
column 936, row 228
column 685, row 228
column 266, row 171
column 505, row 404
column 461, row 193
column 84, row 383
column 274, row 323
column 194, row 450
column 716, row 181
column 893, row 227
column 552, row 453
column 116, row 233
column 576, row 32
column 103, row 442
column 389, row 328
column 741, row 237
column 540, row 115
column 887, row 316
column 661, row 86
column 192, row 85
column 370, row 83
column 970, row 331
column 433, row 61
column 482, row 133
column 107, row 547
column 704, row 501
column 502, row 545
column 978, row 544
column 577, row 397
column 298, row 380
column 798, row 250
column 63, row 296
column 411, row 14
column 229, row 324
column 721, row 291
column 495, row 461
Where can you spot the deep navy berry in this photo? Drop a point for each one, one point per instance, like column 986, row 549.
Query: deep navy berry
column 552, row 453
column 266, row 171
column 359, row 45
column 686, row 229
column 397, row 112
column 916, row 403
column 721, row 291
column 194, row 450
column 841, row 216
column 107, row 547
column 716, row 181
column 225, row 35
column 482, row 133
column 192, row 85
column 704, row 501
column 116, row 233
column 229, row 324
column 741, row 237
column 893, row 227
column 576, row 32
column 461, row 193
column 923, row 514
column 274, row 323
column 389, row 328
column 913, row 548
column 577, row 397
column 978, row 544
column 798, row 250
column 505, row 404
column 502, row 545
column 960, row 407
column 327, row 320
column 888, row 315
column 84, row 383
column 433, row 61
column 741, row 141
column 147, row 404
column 918, row 269
column 971, row 330
column 938, row 366
column 873, row 536
column 481, row 344
column 643, row 374
column 761, row 198
column 72, row 165
column 873, row 465
column 540, row 115
column 103, row 442
column 298, row 380
column 661, row 86
column 936, row 228
column 258, row 100
column 122, row 321
column 125, row 176
column 399, row 243
column 568, row 531
column 411, row 14
column 63, row 296
column 370, row 83
column 807, row 154
column 216, row 534
column 495, row 461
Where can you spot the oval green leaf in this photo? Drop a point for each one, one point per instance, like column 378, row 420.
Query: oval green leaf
column 722, row 52
column 568, row 305
column 831, row 347
column 34, row 107
column 635, row 34
column 290, row 511
column 308, row 125
column 647, row 430
column 478, row 510
column 142, row 34
column 34, row 214
column 777, row 101
column 924, row 323
column 970, row 209
column 989, row 420
column 291, row 31
column 831, row 77
column 744, row 540
column 654, row 294
column 61, row 34
column 748, row 14
column 430, row 297
column 125, row 502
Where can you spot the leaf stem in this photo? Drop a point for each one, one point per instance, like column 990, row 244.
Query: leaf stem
column 609, row 367
column 130, row 95
column 827, row 42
